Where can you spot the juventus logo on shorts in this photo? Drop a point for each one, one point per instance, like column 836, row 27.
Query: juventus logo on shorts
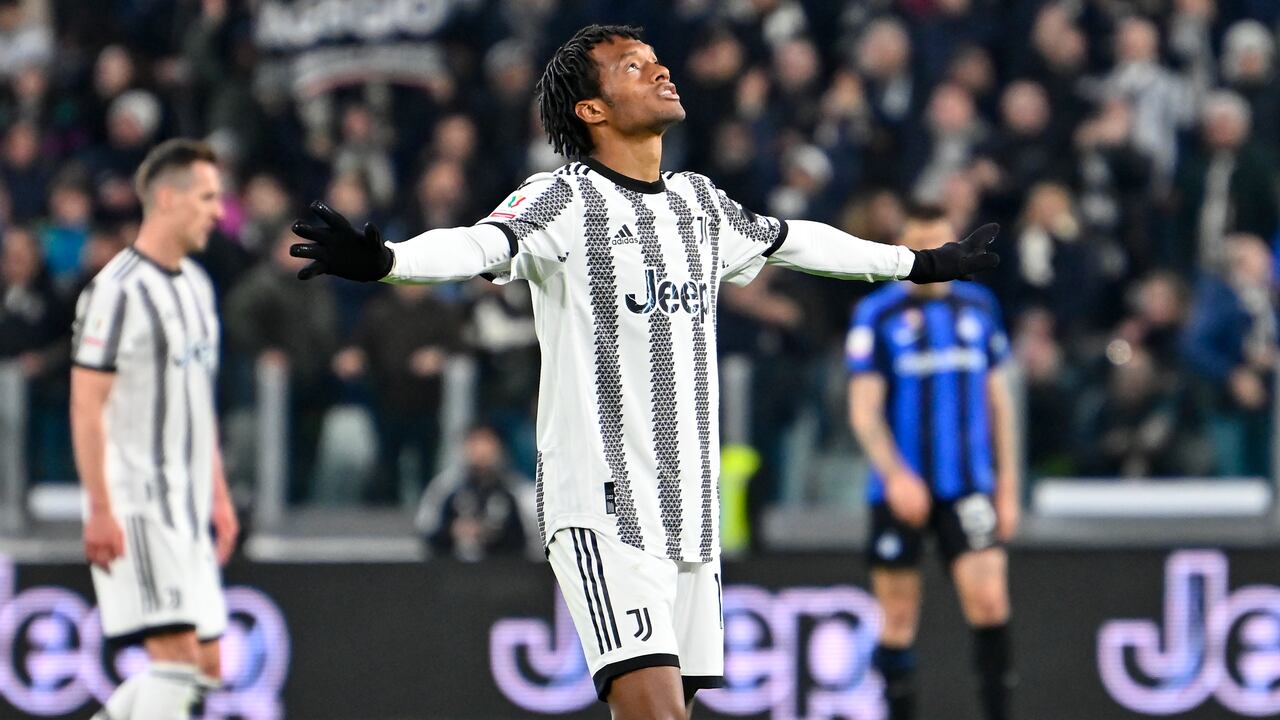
column 644, row 626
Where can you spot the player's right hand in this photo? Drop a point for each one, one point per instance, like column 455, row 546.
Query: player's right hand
column 103, row 539
column 337, row 249
column 908, row 498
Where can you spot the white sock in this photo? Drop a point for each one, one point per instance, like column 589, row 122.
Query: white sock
column 120, row 705
column 165, row 692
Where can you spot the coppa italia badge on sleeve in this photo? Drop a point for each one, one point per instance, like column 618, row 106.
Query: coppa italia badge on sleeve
column 508, row 208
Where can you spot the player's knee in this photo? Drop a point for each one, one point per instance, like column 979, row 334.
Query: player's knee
column 177, row 647
column 899, row 620
column 987, row 606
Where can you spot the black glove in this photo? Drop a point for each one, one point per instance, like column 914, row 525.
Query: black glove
column 337, row 249
column 957, row 260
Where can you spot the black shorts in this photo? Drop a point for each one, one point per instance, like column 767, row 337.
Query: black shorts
column 966, row 524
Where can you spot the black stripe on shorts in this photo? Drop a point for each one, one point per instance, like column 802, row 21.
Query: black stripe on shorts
column 586, row 589
column 595, row 547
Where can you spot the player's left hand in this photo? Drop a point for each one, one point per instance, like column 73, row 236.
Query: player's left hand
column 226, row 528
column 957, row 260
column 1008, row 514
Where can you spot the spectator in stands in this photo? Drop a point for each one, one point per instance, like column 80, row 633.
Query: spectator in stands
column 953, row 136
column 1159, row 305
column 456, row 139
column 1057, row 59
column 844, row 129
column 363, row 151
column 25, row 40
column 972, row 69
column 1226, row 186
column 103, row 243
column 715, row 64
column 475, row 510
column 403, row 344
column 1231, row 344
column 349, row 194
column 216, row 76
column 806, row 190
column 875, row 215
column 28, row 100
column 1248, row 69
column 1054, row 260
column 33, row 316
column 883, row 56
column 1113, row 179
column 441, row 198
column 941, row 30
column 64, row 233
column 797, row 72
column 114, row 73
column 740, row 165
column 1022, row 152
column 961, row 198
column 501, row 334
column 1131, row 425
column 1051, row 389
column 263, row 325
column 502, row 111
column 133, row 120
column 1163, row 102
column 25, row 173
column 268, row 210
column 34, row 330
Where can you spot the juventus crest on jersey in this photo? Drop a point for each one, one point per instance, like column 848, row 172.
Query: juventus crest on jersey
column 624, row 278
column 157, row 330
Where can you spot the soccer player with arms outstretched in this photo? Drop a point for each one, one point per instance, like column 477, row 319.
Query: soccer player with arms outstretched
column 145, row 349
column 625, row 262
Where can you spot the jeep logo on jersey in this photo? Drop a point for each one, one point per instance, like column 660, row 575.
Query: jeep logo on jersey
column 200, row 352
column 665, row 295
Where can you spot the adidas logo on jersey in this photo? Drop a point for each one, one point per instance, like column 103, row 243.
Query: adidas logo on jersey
column 624, row 236
column 665, row 295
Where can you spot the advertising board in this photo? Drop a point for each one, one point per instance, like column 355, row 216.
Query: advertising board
column 1097, row 635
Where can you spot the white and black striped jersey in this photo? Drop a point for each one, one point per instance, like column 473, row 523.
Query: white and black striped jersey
column 157, row 330
column 624, row 278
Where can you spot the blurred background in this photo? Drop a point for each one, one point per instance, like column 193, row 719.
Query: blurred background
column 383, row 435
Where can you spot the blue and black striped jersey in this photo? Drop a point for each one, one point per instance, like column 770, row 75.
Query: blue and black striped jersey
column 935, row 354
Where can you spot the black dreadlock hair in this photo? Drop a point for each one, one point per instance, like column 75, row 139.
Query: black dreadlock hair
column 571, row 75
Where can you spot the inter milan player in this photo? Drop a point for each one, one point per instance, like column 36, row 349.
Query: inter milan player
column 930, row 404
column 625, row 263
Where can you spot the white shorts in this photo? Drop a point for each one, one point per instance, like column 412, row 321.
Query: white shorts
column 165, row 581
column 635, row 610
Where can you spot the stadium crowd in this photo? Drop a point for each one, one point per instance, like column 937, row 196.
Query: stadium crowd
column 1127, row 147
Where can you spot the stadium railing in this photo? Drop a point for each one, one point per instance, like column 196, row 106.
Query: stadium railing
column 41, row 520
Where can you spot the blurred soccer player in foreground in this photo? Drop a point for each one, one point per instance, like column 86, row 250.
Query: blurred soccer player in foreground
column 625, row 262
column 931, row 406
column 145, row 349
